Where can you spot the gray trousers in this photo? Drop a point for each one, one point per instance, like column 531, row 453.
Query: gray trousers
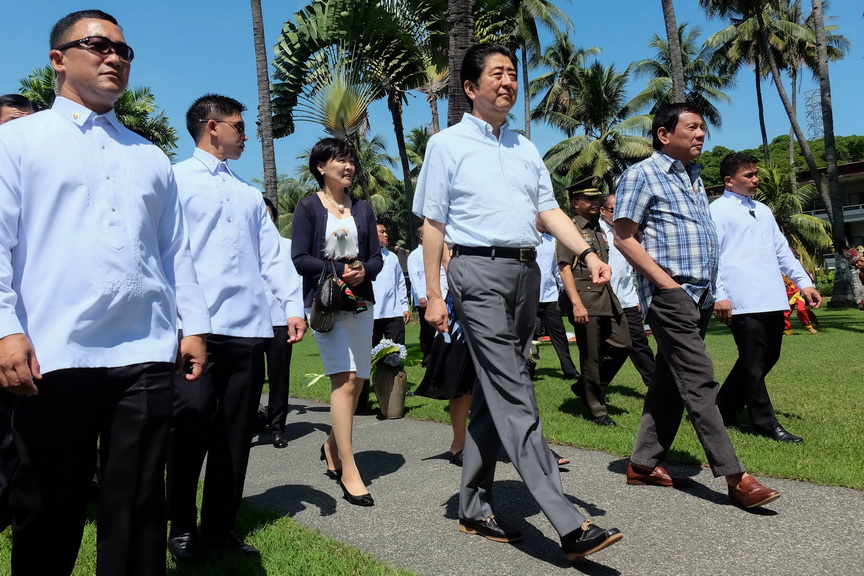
column 497, row 302
column 683, row 378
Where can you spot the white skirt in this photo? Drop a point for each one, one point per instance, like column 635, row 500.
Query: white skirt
column 348, row 347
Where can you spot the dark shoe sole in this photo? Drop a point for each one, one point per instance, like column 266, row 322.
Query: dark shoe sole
column 468, row 530
column 768, row 500
column 604, row 544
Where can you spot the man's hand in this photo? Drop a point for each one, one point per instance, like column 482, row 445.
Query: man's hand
column 406, row 316
column 296, row 329
column 192, row 356
column 18, row 365
column 812, row 297
column 580, row 314
column 354, row 276
column 723, row 311
column 601, row 273
column 436, row 314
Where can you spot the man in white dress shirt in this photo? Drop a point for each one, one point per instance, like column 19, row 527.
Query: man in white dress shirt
column 234, row 245
column 751, row 297
column 391, row 297
column 94, row 271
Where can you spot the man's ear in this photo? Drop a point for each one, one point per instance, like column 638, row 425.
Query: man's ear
column 57, row 60
column 469, row 89
column 663, row 135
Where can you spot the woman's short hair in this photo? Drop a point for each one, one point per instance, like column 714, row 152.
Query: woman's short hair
column 325, row 150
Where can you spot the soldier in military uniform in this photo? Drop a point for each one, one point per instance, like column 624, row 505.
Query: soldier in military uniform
column 601, row 327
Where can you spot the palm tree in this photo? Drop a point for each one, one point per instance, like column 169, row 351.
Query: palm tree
column 704, row 78
column 460, row 16
column 676, row 57
column 265, row 113
column 135, row 108
column 614, row 138
column 565, row 63
column 417, row 141
column 434, row 88
column 808, row 235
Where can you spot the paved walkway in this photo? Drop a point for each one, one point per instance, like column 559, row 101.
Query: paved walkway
column 810, row 530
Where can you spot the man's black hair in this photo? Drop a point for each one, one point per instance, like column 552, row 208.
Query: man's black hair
column 732, row 163
column 210, row 106
column 474, row 62
column 16, row 101
column 275, row 211
column 62, row 27
column 666, row 116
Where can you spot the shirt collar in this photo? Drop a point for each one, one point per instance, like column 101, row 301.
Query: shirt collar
column 80, row 115
column 212, row 163
column 669, row 164
column 745, row 201
column 482, row 127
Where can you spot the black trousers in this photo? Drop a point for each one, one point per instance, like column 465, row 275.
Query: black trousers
column 278, row 352
column 550, row 315
column 8, row 457
column 427, row 332
column 604, row 343
column 640, row 350
column 683, row 378
column 392, row 328
column 214, row 416
column 758, row 338
column 128, row 410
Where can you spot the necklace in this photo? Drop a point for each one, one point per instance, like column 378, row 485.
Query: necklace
column 340, row 207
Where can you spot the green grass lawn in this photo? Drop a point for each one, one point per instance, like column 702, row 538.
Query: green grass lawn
column 817, row 389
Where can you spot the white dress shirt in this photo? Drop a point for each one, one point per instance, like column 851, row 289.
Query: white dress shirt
column 391, row 296
column 753, row 254
column 623, row 281
column 94, row 259
column 495, row 206
column 278, row 314
column 234, row 245
column 417, row 275
column 549, row 278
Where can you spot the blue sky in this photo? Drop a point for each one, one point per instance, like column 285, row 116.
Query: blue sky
column 184, row 48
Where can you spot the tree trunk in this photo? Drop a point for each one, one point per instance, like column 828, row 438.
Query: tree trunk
column 793, row 78
column 843, row 293
column 760, row 106
column 265, row 114
column 525, row 96
column 461, row 17
column 394, row 103
column 358, row 167
column 434, row 126
column 676, row 61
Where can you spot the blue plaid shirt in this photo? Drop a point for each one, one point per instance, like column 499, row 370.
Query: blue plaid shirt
column 668, row 202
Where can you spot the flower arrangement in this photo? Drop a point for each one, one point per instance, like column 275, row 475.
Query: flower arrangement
column 392, row 355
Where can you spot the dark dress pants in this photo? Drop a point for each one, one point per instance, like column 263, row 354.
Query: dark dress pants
column 427, row 332
column 390, row 328
column 214, row 416
column 8, row 457
column 278, row 352
column 497, row 302
column 683, row 378
column 758, row 338
column 550, row 315
column 640, row 350
column 604, row 342
column 128, row 410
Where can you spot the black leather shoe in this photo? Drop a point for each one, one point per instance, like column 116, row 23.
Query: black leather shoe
column 279, row 440
column 588, row 539
column 456, row 459
column 231, row 543
column 361, row 500
column 184, row 547
column 604, row 420
column 576, row 388
column 332, row 474
column 780, row 434
column 489, row 528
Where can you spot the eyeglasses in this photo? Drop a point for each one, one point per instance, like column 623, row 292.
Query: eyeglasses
column 102, row 46
column 607, row 209
column 239, row 125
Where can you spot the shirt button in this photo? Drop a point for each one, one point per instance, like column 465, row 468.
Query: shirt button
column 107, row 177
column 229, row 219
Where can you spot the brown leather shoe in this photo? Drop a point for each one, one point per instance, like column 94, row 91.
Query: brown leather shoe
column 749, row 493
column 639, row 476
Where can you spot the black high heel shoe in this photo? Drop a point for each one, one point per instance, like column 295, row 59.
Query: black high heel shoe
column 362, row 500
column 332, row 474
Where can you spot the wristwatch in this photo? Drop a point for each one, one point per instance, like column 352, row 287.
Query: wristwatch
column 585, row 253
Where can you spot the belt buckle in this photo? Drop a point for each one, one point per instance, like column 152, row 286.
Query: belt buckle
column 525, row 255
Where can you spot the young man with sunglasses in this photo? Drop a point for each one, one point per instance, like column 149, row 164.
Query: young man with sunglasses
column 95, row 269
column 234, row 245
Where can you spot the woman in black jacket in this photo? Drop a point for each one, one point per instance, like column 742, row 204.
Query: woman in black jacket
column 330, row 226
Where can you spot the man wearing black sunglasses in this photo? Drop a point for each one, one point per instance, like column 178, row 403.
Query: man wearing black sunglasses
column 95, row 269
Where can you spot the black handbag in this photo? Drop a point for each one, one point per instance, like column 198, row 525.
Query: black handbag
column 327, row 301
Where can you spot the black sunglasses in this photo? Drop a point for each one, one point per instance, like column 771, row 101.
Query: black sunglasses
column 102, row 46
column 239, row 125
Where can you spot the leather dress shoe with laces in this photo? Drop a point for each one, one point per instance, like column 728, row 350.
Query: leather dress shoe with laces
column 780, row 434
column 489, row 528
column 749, row 493
column 279, row 440
column 604, row 420
column 658, row 476
column 231, row 543
column 184, row 547
column 588, row 539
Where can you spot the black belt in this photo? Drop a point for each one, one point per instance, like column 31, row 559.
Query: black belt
column 520, row 254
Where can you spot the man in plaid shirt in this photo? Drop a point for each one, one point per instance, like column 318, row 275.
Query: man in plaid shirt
column 663, row 228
